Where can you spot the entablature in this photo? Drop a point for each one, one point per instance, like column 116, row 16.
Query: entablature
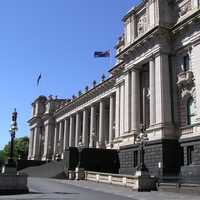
column 91, row 95
column 117, row 69
column 193, row 18
column 35, row 121
column 158, row 36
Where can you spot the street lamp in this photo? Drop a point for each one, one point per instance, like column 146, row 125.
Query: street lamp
column 12, row 130
column 141, row 140
column 79, row 171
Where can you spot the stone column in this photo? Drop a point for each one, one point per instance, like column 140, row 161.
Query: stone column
column 48, row 141
column 152, row 91
column 71, row 132
column 127, row 106
column 101, row 124
column 85, row 128
column 135, row 100
column 56, row 139
column 195, row 4
column 30, row 150
column 78, row 129
column 66, row 134
column 93, row 126
column 61, row 137
column 111, row 119
column 117, row 112
column 122, row 109
column 36, row 143
column 162, row 90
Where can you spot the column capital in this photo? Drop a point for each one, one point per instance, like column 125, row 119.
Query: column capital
column 152, row 57
column 160, row 53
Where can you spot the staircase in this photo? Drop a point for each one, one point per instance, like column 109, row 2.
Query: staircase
column 179, row 184
column 53, row 169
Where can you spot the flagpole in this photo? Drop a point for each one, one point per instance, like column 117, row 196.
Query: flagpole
column 110, row 59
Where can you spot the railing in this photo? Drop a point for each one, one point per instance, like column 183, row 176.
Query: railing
column 115, row 179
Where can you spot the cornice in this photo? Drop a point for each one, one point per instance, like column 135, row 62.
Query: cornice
column 34, row 120
column 87, row 96
column 138, row 43
column 134, row 10
column 193, row 18
column 118, row 68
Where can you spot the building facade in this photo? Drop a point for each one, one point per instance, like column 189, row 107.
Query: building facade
column 155, row 82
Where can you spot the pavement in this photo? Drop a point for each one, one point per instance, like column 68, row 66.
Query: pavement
column 54, row 189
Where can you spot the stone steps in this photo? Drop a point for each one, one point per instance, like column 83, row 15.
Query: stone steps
column 179, row 187
column 53, row 169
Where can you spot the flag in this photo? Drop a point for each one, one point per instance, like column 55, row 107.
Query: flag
column 38, row 79
column 101, row 54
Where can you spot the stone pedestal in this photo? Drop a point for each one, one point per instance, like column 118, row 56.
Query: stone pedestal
column 10, row 167
column 13, row 184
column 80, row 173
column 71, row 175
column 144, row 182
column 9, row 170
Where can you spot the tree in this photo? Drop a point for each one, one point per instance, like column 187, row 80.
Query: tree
column 20, row 148
column 2, row 157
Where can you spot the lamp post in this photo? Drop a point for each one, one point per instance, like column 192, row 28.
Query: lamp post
column 10, row 166
column 141, row 140
column 80, row 173
column 145, row 181
column 12, row 130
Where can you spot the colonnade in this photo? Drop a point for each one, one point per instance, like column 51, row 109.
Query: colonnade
column 92, row 126
column 118, row 114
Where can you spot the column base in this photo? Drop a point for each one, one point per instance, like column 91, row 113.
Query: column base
column 80, row 173
column 10, row 167
column 109, row 146
column 71, row 175
column 101, row 145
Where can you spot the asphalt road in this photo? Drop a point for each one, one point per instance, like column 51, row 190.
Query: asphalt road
column 41, row 188
column 51, row 189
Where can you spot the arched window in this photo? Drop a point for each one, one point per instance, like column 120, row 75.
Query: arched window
column 190, row 111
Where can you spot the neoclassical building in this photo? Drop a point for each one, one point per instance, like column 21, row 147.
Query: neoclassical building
column 155, row 82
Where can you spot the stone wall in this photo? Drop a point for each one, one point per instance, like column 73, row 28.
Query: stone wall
column 191, row 171
column 164, row 151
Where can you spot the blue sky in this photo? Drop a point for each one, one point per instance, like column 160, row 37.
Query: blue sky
column 56, row 38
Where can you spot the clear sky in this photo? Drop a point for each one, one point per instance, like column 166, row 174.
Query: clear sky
column 56, row 38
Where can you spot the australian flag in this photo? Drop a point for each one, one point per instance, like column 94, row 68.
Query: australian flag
column 101, row 54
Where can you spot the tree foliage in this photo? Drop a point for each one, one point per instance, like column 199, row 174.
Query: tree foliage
column 20, row 149
column 2, row 157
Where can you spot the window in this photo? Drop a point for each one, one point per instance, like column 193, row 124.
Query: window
column 186, row 63
column 135, row 159
column 190, row 111
column 190, row 155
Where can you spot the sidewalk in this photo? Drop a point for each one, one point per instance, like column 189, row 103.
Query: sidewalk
column 127, row 192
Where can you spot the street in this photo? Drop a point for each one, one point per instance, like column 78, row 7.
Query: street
column 51, row 189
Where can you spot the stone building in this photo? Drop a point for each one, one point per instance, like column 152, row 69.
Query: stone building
column 155, row 82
